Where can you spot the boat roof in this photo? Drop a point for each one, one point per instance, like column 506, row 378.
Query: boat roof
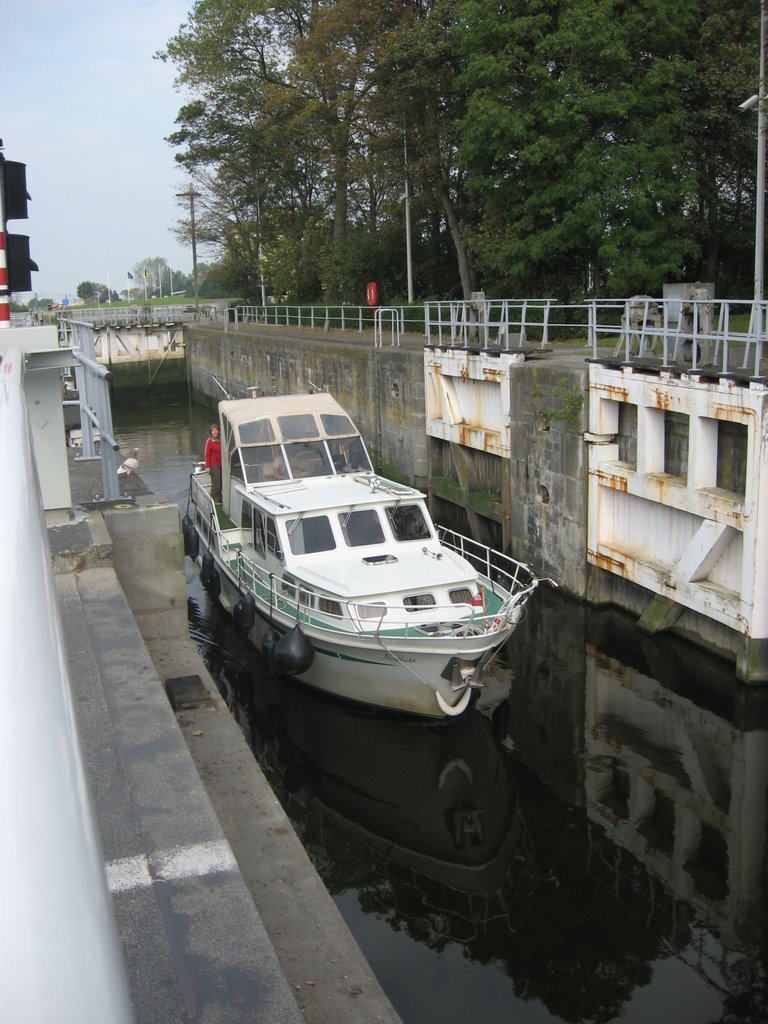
column 330, row 493
column 241, row 411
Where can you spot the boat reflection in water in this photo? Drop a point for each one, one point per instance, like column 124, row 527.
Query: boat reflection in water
column 594, row 848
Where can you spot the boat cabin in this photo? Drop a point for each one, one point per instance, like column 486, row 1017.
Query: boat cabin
column 288, row 437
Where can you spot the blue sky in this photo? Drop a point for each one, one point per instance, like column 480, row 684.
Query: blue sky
column 86, row 107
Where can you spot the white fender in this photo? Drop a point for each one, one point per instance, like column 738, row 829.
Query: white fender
column 454, row 709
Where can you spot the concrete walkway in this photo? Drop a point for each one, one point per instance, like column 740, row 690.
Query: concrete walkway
column 221, row 916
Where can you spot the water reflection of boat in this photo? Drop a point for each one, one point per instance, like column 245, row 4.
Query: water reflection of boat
column 434, row 799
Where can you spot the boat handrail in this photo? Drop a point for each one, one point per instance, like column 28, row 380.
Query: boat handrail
column 299, row 605
column 504, row 576
column 63, row 952
column 488, row 561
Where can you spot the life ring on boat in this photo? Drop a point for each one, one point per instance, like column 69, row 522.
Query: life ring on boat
column 191, row 538
column 244, row 614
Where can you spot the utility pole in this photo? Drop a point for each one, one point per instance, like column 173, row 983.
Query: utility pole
column 191, row 195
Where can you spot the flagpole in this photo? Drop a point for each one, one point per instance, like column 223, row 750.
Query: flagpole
column 109, row 291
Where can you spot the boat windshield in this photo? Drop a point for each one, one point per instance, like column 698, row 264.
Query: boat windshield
column 336, row 425
column 261, row 464
column 349, row 455
column 408, row 522
column 361, row 527
column 309, row 534
column 299, row 427
column 308, row 458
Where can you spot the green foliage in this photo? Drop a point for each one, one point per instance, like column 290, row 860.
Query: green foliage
column 88, row 291
column 554, row 147
column 570, row 401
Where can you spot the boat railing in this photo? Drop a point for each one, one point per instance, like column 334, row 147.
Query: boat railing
column 499, row 569
column 63, row 954
column 285, row 595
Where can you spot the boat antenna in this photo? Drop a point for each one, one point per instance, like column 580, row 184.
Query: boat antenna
column 218, row 383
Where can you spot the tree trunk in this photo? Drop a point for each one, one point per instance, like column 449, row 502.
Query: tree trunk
column 340, row 197
column 462, row 256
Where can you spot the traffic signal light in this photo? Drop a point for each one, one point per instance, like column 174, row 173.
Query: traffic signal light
column 14, row 198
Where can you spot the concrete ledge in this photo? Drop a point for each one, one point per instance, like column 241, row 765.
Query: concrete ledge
column 78, row 541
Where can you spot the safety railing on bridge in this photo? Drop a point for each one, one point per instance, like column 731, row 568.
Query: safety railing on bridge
column 122, row 316
column 61, row 953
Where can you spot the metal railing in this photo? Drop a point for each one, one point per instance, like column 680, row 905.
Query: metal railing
column 323, row 317
column 121, row 316
column 91, row 381
column 726, row 335
column 489, row 323
column 59, row 950
column 722, row 334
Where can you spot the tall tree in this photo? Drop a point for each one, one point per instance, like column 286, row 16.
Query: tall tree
column 575, row 138
column 419, row 104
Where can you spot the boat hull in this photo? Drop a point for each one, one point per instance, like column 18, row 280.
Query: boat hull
column 415, row 675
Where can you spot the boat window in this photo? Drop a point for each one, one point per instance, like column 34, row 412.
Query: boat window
column 236, row 466
column 246, row 518
column 273, row 541
column 371, row 611
column 337, row 425
column 202, row 524
column 256, row 432
column 310, row 534
column 408, row 522
column 288, row 586
column 325, row 604
column 298, row 427
column 463, row 596
column 349, row 455
column 361, row 527
column 258, row 535
column 264, row 463
column 308, row 459
column 415, row 601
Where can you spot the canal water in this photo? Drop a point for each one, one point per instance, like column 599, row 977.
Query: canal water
column 587, row 844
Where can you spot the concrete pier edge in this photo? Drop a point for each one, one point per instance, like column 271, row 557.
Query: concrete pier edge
column 247, row 931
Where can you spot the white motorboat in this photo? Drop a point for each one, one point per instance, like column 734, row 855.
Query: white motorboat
column 340, row 576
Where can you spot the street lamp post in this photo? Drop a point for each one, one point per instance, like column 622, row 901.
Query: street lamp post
column 191, row 195
column 758, row 100
column 408, row 261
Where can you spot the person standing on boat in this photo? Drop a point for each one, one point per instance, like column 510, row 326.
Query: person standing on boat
column 213, row 461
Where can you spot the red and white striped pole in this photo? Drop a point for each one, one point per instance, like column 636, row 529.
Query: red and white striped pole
column 5, row 295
